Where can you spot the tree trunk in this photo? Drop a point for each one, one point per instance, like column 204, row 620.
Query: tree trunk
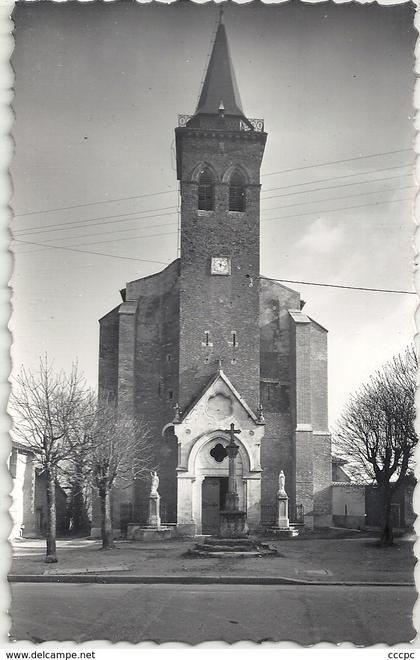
column 106, row 522
column 51, row 556
column 387, row 535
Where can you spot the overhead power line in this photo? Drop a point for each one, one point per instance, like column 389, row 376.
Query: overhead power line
column 103, row 201
column 336, row 162
column 340, row 208
column 332, row 199
column 338, row 185
column 102, row 223
column 339, row 286
column 322, row 284
column 127, row 238
column 170, row 224
column 342, row 176
column 101, row 254
column 114, row 240
column 100, row 220
column 172, row 190
column 98, row 234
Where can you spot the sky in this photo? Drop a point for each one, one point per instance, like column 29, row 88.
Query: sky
column 98, row 88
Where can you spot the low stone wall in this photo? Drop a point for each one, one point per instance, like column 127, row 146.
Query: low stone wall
column 349, row 522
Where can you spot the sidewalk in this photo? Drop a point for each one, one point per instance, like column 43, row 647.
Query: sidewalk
column 313, row 560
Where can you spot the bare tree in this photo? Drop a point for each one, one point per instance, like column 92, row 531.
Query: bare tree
column 43, row 406
column 76, row 470
column 376, row 431
column 119, row 453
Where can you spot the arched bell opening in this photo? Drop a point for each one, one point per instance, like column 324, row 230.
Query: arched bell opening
column 237, row 192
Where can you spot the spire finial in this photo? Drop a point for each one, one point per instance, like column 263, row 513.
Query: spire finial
column 221, row 14
column 220, row 364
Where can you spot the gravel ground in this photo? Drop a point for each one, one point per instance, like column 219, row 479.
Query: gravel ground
column 357, row 558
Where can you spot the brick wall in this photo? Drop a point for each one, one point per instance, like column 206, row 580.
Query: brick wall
column 322, row 474
column 156, row 366
column 139, row 361
column 108, row 354
column 219, row 304
column 319, row 377
column 277, row 393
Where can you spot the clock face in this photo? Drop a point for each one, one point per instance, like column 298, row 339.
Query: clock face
column 220, row 266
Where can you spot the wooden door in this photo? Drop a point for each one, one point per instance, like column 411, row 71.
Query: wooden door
column 210, row 505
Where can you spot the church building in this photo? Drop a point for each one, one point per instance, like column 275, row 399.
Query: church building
column 208, row 342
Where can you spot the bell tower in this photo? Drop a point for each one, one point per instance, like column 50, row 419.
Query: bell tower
column 219, row 153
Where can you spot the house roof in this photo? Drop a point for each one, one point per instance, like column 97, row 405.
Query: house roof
column 220, row 89
column 350, row 484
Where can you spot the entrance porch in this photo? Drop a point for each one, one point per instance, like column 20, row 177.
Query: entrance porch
column 203, row 487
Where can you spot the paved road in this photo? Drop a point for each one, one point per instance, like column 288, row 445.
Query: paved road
column 163, row 613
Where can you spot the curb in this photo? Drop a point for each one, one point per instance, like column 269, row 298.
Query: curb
column 191, row 579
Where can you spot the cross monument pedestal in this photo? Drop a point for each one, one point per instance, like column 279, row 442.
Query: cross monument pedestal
column 233, row 522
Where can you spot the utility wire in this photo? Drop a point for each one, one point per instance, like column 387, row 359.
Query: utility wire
column 332, row 199
column 172, row 190
column 63, row 226
column 339, row 185
column 100, row 220
column 342, row 176
column 71, row 223
column 101, row 254
column 170, row 224
column 340, row 208
column 279, row 219
column 106, row 233
column 336, row 162
column 323, row 284
column 104, row 201
column 339, row 286
column 127, row 238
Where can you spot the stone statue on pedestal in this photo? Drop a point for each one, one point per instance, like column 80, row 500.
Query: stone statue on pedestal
column 282, row 504
column 155, row 484
column 282, row 483
column 154, row 502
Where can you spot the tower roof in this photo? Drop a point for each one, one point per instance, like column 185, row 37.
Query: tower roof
column 220, row 89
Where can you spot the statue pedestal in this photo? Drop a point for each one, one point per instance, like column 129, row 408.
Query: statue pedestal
column 282, row 520
column 154, row 511
column 282, row 528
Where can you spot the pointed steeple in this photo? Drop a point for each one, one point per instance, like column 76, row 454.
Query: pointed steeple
column 220, row 89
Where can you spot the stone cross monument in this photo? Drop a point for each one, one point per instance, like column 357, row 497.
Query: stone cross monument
column 232, row 497
column 233, row 522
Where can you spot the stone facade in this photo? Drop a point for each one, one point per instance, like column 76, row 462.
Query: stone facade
column 28, row 510
column 220, row 344
column 22, row 510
